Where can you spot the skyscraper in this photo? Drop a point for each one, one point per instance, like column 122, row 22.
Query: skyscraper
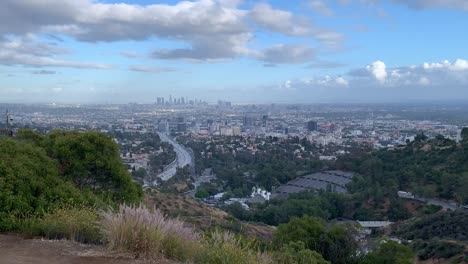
column 312, row 126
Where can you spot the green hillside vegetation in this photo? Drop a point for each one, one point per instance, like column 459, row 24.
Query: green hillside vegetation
column 39, row 175
column 428, row 167
column 435, row 168
column 324, row 205
column 451, row 225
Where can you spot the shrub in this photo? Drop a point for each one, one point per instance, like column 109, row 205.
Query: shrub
column 436, row 248
column 78, row 224
column 30, row 184
column 202, row 193
column 148, row 233
column 297, row 253
column 224, row 247
column 390, row 252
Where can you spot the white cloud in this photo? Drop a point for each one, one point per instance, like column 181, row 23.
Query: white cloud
column 57, row 89
column 324, row 82
column 150, row 69
column 378, row 70
column 210, row 29
column 424, row 81
column 28, row 51
column 287, row 54
column 44, row 72
column 423, row 4
column 341, row 81
column 325, row 65
column 458, row 65
column 376, row 82
column 320, row 7
column 281, row 21
column 286, row 85
column 131, row 54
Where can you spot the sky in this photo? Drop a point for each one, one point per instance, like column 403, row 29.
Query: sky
column 269, row 51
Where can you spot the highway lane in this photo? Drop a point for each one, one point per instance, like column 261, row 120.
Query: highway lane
column 183, row 158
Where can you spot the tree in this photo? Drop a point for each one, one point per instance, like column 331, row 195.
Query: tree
column 30, row 184
column 339, row 245
column 420, row 138
column 91, row 161
column 139, row 174
column 297, row 253
column 464, row 135
column 336, row 244
column 202, row 193
column 390, row 252
column 306, row 229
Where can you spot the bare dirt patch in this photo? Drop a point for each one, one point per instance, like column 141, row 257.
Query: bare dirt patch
column 14, row 249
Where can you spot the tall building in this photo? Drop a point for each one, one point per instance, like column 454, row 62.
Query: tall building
column 248, row 121
column 312, row 126
column 163, row 126
column 160, row 100
column 264, row 120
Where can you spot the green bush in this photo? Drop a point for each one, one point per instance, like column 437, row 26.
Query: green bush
column 91, row 161
column 336, row 243
column 436, row 248
column 40, row 174
column 77, row 224
column 224, row 247
column 201, row 193
column 297, row 253
column 390, row 252
column 30, row 184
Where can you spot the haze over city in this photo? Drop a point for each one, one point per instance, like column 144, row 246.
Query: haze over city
column 69, row 51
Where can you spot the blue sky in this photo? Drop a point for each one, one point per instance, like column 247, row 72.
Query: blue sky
column 307, row 51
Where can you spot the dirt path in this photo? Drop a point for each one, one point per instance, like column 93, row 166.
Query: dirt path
column 16, row 250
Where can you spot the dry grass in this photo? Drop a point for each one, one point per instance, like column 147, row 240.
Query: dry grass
column 148, row 233
column 204, row 217
column 224, row 247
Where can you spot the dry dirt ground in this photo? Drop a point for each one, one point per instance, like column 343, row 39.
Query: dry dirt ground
column 14, row 249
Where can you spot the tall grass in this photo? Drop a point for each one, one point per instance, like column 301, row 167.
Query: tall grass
column 225, row 247
column 148, row 233
column 73, row 223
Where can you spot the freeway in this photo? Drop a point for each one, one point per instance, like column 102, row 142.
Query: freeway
column 183, row 158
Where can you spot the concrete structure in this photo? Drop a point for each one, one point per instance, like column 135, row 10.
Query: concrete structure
column 374, row 224
column 334, row 181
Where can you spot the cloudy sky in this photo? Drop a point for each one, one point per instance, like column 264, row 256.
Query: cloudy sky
column 307, row 51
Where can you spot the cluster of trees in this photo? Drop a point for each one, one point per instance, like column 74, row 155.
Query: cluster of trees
column 275, row 162
column 437, row 249
column 324, row 205
column 149, row 143
column 159, row 160
column 336, row 243
column 431, row 168
column 451, row 225
column 40, row 173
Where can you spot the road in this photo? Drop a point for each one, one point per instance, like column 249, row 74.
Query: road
column 443, row 204
column 183, row 158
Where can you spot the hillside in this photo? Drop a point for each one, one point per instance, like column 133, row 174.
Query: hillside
column 204, row 217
